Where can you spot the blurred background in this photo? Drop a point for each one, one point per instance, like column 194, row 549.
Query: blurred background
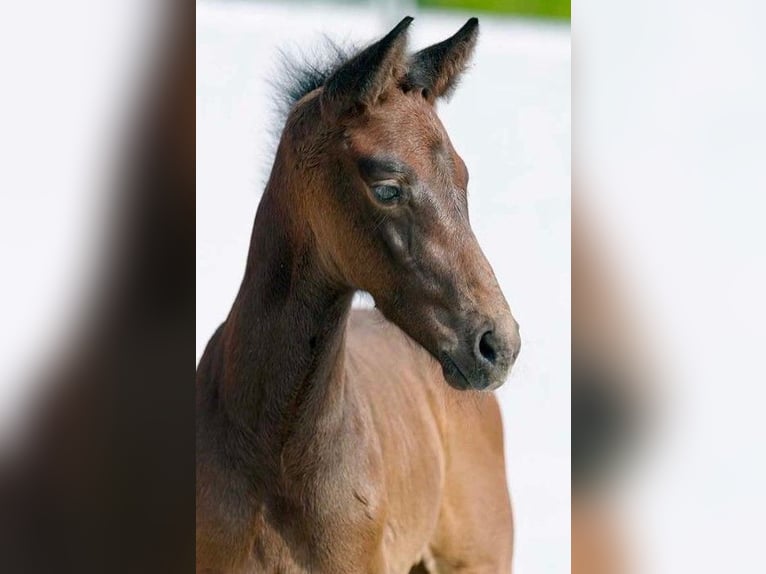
column 65, row 115
column 510, row 121
column 668, row 200
column 96, row 251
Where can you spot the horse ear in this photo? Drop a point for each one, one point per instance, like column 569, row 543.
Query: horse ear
column 362, row 80
column 437, row 69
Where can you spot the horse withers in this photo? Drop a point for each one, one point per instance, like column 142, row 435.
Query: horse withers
column 339, row 441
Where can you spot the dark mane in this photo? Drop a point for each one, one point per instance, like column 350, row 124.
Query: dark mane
column 301, row 74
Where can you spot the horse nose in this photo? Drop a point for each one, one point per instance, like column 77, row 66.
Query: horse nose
column 486, row 347
column 491, row 348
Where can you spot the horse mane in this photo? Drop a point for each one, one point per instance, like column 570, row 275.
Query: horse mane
column 303, row 73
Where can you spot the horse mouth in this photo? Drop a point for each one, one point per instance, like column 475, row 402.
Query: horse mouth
column 453, row 374
column 474, row 379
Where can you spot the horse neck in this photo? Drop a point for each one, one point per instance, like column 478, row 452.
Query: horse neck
column 284, row 339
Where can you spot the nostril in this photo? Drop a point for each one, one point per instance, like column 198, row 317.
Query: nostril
column 486, row 348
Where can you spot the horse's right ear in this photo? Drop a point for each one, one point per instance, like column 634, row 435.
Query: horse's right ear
column 363, row 79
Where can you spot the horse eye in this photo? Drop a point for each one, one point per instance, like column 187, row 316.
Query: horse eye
column 387, row 193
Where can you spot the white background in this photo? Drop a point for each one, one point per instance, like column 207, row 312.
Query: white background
column 510, row 121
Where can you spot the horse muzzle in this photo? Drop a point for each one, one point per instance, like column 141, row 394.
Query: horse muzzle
column 483, row 358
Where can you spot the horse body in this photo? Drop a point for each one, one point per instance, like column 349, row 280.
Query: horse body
column 332, row 441
column 404, row 483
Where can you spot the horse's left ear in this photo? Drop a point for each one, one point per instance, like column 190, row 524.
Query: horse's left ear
column 363, row 79
column 436, row 70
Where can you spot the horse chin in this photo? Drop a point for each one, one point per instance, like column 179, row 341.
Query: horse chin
column 456, row 380
column 456, row 377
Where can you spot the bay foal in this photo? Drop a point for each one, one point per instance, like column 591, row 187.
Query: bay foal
column 328, row 440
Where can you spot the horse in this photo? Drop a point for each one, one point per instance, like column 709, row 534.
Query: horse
column 332, row 440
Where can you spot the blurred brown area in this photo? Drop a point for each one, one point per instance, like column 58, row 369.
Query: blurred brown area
column 102, row 477
column 597, row 540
